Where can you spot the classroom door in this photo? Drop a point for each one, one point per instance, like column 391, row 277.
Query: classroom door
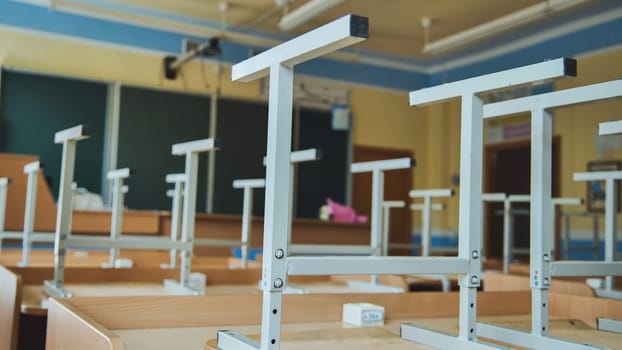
column 507, row 169
column 397, row 184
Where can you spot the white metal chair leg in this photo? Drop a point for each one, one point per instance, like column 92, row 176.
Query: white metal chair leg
column 541, row 259
column 4, row 183
column 247, row 213
column 118, row 200
column 68, row 138
column 176, row 195
column 32, row 170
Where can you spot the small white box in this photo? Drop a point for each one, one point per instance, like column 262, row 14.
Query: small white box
column 197, row 281
column 363, row 314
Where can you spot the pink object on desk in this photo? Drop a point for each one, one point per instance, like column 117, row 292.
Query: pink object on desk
column 343, row 213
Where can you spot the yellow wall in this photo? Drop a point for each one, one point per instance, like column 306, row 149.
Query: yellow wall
column 106, row 62
column 577, row 126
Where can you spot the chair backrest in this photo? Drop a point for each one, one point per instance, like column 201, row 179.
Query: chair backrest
column 10, row 304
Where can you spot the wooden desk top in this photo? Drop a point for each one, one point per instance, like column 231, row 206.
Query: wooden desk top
column 35, row 301
column 156, row 323
column 333, row 335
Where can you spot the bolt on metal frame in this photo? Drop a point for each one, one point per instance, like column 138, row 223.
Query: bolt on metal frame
column 64, row 240
column 279, row 63
column 541, row 230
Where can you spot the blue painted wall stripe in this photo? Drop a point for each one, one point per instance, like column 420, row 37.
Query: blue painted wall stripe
column 39, row 18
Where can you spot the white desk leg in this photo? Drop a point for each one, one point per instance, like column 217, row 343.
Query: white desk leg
column 189, row 210
column 115, row 219
column 426, row 214
column 610, row 227
column 175, row 220
column 377, row 197
column 470, row 223
column 247, row 217
column 386, row 222
column 29, row 217
column 507, row 227
column 64, row 213
column 276, row 224
column 4, row 182
column 542, row 226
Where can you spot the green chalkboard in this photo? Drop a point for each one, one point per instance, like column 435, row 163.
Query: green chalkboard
column 327, row 177
column 151, row 121
column 33, row 107
column 242, row 126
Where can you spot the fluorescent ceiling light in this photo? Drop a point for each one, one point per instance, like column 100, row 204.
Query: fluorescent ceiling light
column 305, row 13
column 493, row 27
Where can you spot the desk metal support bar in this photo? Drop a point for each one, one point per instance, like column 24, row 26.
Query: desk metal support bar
column 471, row 140
column 377, row 168
column 386, row 222
column 610, row 128
column 32, row 170
column 362, row 265
column 297, row 157
column 27, row 235
column 68, row 138
column 609, row 325
column 247, row 213
column 176, row 208
column 4, row 183
column 190, row 150
column 300, row 156
column 278, row 63
column 542, row 225
column 118, row 199
column 529, row 340
column 64, row 240
column 541, row 265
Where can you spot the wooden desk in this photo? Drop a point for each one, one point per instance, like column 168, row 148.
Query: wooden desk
column 156, row 323
column 29, row 307
column 95, row 258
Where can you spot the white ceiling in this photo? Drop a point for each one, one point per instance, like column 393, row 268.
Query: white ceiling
column 395, row 25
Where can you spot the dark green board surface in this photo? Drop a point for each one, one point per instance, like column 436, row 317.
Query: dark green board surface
column 151, row 121
column 34, row 107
